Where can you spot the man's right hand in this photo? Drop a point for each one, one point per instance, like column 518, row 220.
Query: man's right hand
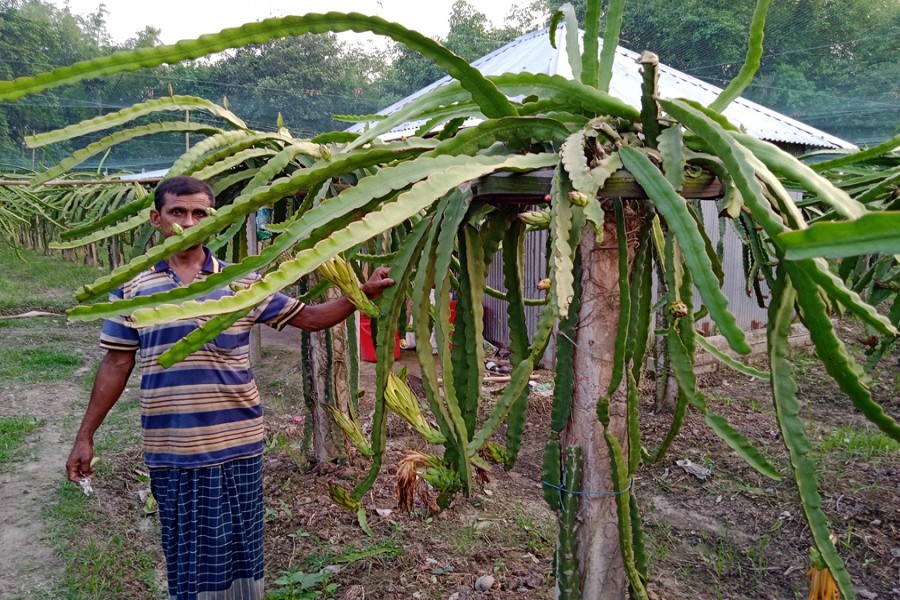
column 79, row 464
column 374, row 287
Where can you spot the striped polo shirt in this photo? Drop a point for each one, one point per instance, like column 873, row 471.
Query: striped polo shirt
column 206, row 409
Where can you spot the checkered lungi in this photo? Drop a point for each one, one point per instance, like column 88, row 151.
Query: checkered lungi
column 212, row 529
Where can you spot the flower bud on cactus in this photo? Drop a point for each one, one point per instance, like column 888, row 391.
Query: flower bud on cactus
column 578, row 198
column 177, row 229
column 210, row 211
column 342, row 498
column 535, row 218
column 351, row 429
column 339, row 272
column 678, row 309
column 543, row 284
column 401, row 400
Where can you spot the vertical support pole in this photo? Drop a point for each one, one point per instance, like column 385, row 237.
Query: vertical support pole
column 340, row 373
column 600, row 563
column 253, row 250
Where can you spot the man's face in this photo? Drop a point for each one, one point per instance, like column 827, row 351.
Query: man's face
column 186, row 211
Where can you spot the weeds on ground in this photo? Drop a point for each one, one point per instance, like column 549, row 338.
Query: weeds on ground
column 517, row 528
column 858, row 443
column 13, row 431
column 311, row 581
column 384, row 549
column 279, row 442
column 87, row 384
column 99, row 561
column 30, row 280
column 120, row 428
column 297, row 585
column 37, row 364
column 105, row 552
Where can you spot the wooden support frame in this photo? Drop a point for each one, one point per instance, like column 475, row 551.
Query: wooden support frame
column 533, row 187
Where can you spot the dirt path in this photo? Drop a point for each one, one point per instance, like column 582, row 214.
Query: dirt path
column 29, row 485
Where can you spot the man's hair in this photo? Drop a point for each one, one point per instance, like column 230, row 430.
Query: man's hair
column 182, row 185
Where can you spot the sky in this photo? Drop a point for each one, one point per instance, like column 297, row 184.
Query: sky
column 187, row 19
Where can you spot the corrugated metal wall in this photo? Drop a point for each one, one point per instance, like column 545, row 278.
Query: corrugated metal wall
column 746, row 309
column 495, row 329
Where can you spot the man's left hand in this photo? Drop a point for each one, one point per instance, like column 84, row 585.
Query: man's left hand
column 374, row 287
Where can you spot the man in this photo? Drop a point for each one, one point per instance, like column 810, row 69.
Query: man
column 201, row 418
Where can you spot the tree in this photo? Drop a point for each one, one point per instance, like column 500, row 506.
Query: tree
column 469, row 36
column 146, row 38
column 36, row 36
column 814, row 52
column 22, row 52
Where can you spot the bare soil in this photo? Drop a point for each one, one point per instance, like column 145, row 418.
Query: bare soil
column 30, row 483
column 735, row 534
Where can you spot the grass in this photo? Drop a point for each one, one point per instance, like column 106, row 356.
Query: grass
column 659, row 539
column 859, row 443
column 279, row 442
column 87, row 384
column 98, row 563
column 106, row 553
column 498, row 526
column 37, row 364
column 13, row 432
column 30, row 280
column 527, row 531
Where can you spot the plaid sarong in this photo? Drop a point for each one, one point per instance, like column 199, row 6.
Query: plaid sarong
column 212, row 529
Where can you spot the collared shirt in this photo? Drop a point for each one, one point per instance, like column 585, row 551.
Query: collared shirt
column 206, row 409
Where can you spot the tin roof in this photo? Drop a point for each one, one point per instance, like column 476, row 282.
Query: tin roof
column 533, row 53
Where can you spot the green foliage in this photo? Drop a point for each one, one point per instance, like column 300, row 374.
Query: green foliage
column 13, row 432
column 297, row 585
column 869, row 234
column 117, row 563
column 37, row 364
column 513, row 266
column 751, row 63
column 859, row 443
column 350, row 554
column 34, row 281
column 675, row 211
column 470, row 36
column 96, row 566
column 814, row 51
column 567, row 584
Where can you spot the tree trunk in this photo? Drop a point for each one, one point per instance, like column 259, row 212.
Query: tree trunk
column 317, row 386
column 601, row 569
column 340, row 372
column 253, row 250
column 323, row 440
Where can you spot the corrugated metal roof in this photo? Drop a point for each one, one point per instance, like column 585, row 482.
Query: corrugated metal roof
column 533, row 53
column 145, row 175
